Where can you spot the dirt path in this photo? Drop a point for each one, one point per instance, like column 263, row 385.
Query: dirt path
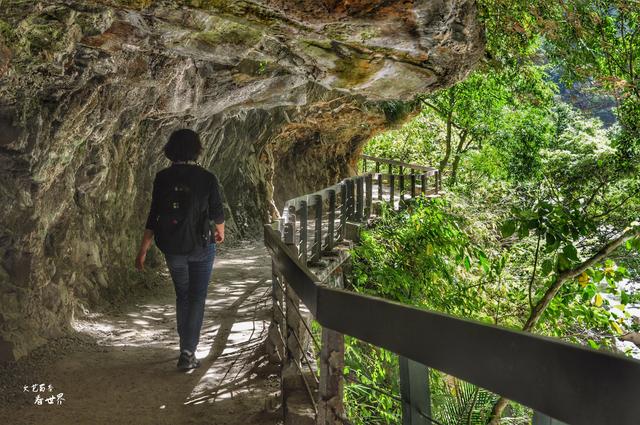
column 120, row 368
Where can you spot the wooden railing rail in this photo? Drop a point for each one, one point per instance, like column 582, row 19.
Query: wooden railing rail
column 378, row 161
column 570, row 383
column 316, row 227
column 574, row 384
column 318, row 220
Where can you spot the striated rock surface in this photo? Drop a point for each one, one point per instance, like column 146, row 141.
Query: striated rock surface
column 283, row 92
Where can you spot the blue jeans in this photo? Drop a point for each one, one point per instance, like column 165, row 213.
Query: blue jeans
column 190, row 274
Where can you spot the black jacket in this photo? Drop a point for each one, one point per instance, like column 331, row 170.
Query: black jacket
column 201, row 178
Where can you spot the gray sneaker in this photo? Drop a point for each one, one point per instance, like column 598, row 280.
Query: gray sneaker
column 187, row 360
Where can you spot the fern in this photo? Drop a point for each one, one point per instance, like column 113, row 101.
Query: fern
column 465, row 404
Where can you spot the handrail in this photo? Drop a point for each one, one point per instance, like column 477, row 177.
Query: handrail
column 314, row 227
column 430, row 170
column 571, row 383
column 328, row 210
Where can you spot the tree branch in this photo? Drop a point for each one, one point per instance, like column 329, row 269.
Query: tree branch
column 432, row 106
column 533, row 274
column 442, row 113
column 468, row 144
column 593, row 195
column 610, row 210
column 562, row 277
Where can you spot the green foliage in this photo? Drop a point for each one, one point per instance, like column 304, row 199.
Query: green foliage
column 441, row 253
column 537, row 192
column 413, row 142
column 368, row 367
column 590, row 41
column 627, row 143
column 396, row 110
column 523, row 134
column 447, row 271
column 458, row 402
column 507, row 230
column 508, row 109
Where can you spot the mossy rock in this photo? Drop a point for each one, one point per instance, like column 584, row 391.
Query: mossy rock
column 396, row 111
column 353, row 71
column 6, row 31
column 40, row 33
column 229, row 32
column 94, row 23
column 136, row 4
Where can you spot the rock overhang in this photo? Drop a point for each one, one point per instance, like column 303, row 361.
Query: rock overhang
column 283, row 92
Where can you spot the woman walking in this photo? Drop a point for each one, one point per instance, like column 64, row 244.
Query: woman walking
column 186, row 219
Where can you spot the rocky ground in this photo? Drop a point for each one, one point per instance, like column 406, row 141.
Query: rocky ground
column 119, row 365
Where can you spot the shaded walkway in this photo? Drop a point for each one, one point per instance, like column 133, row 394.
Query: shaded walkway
column 128, row 376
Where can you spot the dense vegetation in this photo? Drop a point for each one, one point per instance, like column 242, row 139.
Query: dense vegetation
column 538, row 230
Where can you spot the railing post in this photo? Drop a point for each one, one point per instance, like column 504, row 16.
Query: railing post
column 316, row 250
column 276, row 346
column 413, row 184
column 331, row 389
column 291, row 218
column 331, row 195
column 290, row 231
column 291, row 380
column 343, row 210
column 360, row 198
column 368, row 179
column 401, row 182
column 392, row 188
column 423, row 183
column 291, row 302
column 303, row 214
column 380, row 186
column 350, row 199
column 414, row 391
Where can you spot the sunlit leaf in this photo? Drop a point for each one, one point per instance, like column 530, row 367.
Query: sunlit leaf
column 617, row 328
column 598, row 300
column 583, row 279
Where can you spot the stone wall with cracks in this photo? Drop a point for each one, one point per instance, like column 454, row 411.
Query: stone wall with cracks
column 283, row 93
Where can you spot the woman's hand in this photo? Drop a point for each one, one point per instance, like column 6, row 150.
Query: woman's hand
column 219, row 233
column 142, row 255
column 147, row 238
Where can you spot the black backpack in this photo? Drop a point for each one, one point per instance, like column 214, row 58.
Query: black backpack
column 182, row 222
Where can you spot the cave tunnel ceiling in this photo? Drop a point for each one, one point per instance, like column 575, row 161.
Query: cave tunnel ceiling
column 284, row 94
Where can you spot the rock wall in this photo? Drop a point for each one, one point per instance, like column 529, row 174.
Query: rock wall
column 283, row 93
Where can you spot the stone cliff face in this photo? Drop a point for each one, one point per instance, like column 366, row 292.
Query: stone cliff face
column 283, row 93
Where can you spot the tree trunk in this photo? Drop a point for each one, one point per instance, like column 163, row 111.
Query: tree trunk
column 456, row 157
column 447, row 152
column 498, row 408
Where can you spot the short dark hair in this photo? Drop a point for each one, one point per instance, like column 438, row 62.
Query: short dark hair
column 183, row 145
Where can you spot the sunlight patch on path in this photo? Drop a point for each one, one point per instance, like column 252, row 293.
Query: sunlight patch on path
column 130, row 375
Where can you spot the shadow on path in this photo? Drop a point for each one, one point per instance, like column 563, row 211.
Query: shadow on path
column 125, row 371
